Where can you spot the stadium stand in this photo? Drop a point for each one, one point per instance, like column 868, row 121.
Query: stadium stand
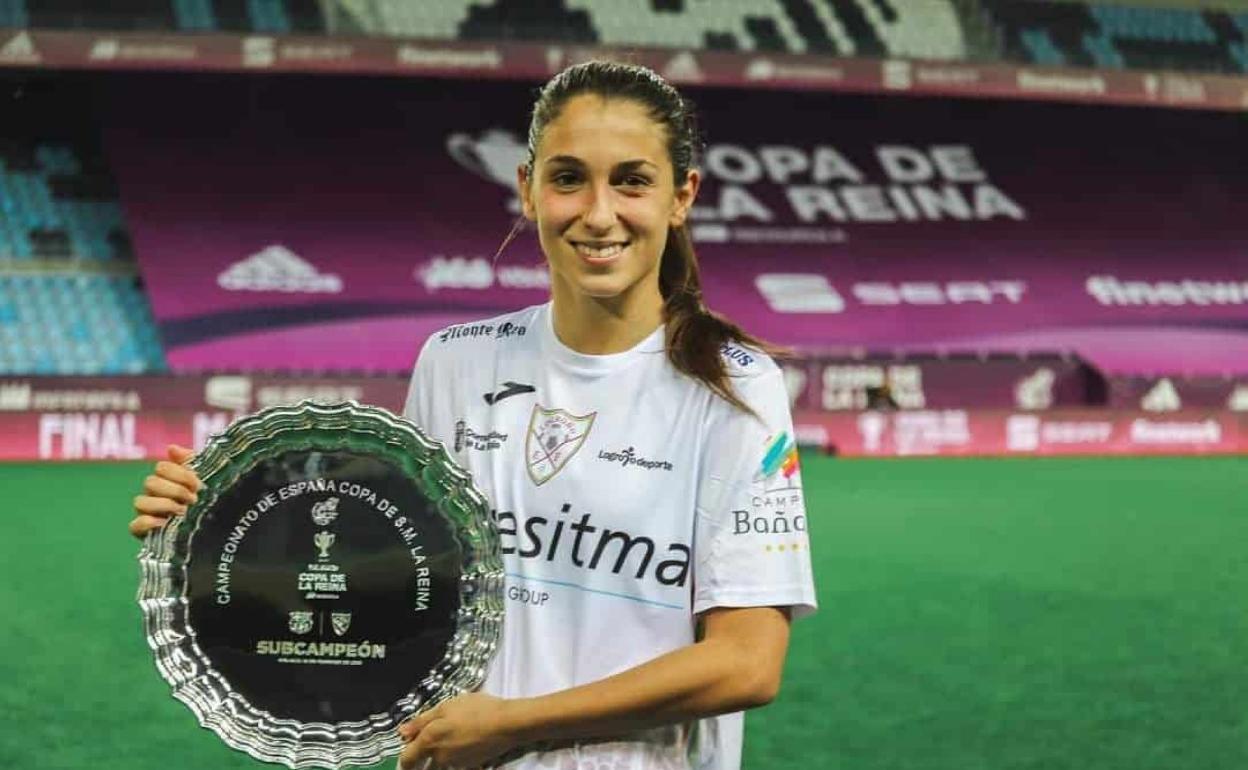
column 79, row 323
column 1119, row 37
column 919, row 28
column 1042, row 33
column 70, row 302
column 55, row 206
column 263, row 16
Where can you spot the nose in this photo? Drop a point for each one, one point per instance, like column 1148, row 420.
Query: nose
column 600, row 214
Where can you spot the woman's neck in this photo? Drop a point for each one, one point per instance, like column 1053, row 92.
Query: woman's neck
column 604, row 325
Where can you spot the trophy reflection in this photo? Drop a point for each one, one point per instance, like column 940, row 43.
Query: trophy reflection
column 323, row 540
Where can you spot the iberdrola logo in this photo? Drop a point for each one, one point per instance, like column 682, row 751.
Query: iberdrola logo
column 781, row 456
column 554, row 435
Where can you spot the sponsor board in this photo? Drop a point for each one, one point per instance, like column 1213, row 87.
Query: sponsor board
column 1038, row 383
column 174, row 410
column 942, row 233
column 235, row 394
column 536, row 61
column 957, row 433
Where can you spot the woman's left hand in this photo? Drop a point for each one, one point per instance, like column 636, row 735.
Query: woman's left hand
column 463, row 733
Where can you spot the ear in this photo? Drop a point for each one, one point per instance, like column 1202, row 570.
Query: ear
column 526, row 193
column 685, row 196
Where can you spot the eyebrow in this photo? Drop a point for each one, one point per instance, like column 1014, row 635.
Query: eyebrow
column 627, row 165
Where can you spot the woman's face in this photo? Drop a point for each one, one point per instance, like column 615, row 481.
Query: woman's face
column 603, row 197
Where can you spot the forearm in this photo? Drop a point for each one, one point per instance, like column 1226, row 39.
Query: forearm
column 737, row 665
column 714, row 676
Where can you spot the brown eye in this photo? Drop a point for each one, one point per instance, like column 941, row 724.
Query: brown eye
column 565, row 179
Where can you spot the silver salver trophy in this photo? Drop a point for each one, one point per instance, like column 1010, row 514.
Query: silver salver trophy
column 338, row 574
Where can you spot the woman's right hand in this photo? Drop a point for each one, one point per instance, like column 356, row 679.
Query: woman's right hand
column 167, row 492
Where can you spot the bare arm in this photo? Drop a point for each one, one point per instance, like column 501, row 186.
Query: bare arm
column 737, row 665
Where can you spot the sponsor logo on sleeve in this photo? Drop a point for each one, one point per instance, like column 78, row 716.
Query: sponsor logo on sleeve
column 737, row 354
column 780, row 457
column 776, row 505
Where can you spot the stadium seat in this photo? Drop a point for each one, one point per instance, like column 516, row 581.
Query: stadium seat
column 400, row 18
column 13, row 13
column 269, row 16
column 1077, row 34
column 195, row 15
column 1239, row 51
column 926, row 29
column 1103, row 52
column 1114, row 36
column 76, row 324
column 1041, row 47
column 53, row 209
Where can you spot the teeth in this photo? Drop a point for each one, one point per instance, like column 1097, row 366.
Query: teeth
column 599, row 252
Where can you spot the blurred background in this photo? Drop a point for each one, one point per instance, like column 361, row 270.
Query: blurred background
column 1006, row 240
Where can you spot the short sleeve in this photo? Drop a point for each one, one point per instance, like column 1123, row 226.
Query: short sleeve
column 420, row 392
column 751, row 546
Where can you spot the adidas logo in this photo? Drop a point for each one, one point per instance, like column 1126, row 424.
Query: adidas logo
column 277, row 268
column 1162, row 398
column 20, row 48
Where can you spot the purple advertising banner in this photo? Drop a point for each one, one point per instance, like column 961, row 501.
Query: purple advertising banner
column 334, row 224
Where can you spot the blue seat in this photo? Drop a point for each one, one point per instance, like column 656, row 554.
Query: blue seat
column 76, row 324
column 13, row 13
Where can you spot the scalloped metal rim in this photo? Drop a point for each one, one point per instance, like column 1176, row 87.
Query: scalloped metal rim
column 217, row 706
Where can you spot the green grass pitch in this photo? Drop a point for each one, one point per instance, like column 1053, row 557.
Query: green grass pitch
column 1074, row 614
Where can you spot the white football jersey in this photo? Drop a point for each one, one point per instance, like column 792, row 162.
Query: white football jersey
column 629, row 498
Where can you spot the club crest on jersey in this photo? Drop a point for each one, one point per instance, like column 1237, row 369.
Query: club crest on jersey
column 554, row 436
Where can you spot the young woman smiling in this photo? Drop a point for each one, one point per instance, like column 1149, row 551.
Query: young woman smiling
column 640, row 463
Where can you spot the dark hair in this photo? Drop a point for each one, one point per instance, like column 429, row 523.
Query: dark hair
column 695, row 334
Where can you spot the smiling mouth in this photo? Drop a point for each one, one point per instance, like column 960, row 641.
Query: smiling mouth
column 596, row 252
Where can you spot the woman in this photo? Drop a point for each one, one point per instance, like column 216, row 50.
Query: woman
column 638, row 452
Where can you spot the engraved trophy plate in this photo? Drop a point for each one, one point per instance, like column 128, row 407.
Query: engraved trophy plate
column 338, row 574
